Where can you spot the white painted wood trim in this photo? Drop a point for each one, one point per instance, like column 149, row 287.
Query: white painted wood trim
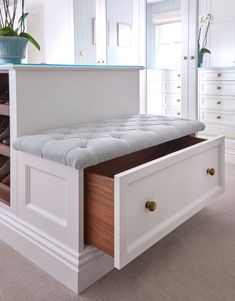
column 75, row 270
column 48, row 67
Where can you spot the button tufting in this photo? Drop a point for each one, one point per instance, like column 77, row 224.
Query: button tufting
column 88, row 144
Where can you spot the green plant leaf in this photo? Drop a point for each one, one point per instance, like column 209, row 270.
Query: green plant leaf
column 22, row 18
column 205, row 50
column 7, row 31
column 31, row 39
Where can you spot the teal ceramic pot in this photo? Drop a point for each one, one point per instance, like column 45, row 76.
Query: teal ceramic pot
column 200, row 59
column 12, row 49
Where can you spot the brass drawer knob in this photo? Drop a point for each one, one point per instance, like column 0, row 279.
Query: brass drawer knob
column 218, row 117
column 151, row 206
column 178, row 114
column 218, row 102
column 219, row 88
column 211, row 171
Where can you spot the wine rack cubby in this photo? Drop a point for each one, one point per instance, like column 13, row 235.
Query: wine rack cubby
column 4, row 139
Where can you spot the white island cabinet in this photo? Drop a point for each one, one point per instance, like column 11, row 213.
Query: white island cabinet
column 78, row 224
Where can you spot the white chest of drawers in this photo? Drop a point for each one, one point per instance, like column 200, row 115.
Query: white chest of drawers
column 164, row 92
column 171, row 93
column 217, row 104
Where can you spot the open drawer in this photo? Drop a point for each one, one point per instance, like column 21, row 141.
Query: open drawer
column 133, row 201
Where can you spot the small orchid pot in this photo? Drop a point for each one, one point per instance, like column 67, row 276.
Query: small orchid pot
column 12, row 49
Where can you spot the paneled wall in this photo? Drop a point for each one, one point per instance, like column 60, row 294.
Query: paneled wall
column 152, row 8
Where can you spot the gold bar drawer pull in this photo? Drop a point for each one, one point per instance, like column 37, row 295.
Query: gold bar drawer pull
column 211, row 171
column 151, row 206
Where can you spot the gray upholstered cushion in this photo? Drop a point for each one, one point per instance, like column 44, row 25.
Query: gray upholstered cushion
column 89, row 144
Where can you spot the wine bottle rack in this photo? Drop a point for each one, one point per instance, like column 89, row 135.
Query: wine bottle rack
column 4, row 139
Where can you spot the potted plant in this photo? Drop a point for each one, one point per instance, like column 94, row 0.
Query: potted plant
column 13, row 38
column 205, row 23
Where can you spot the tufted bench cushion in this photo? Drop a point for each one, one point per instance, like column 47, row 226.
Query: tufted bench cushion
column 89, row 144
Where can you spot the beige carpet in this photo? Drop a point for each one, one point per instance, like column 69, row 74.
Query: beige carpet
column 194, row 263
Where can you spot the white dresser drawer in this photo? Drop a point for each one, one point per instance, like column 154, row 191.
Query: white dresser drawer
column 217, row 102
column 217, row 117
column 172, row 75
column 173, row 100
column 171, row 111
column 216, row 74
column 217, row 88
column 150, row 200
column 215, row 130
column 171, row 87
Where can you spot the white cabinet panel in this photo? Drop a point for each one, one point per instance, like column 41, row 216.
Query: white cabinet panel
column 172, row 100
column 171, row 87
column 136, row 229
column 217, row 74
column 59, row 37
column 85, row 49
column 218, row 117
column 221, row 39
column 217, row 88
column 171, row 111
column 170, row 75
column 217, row 102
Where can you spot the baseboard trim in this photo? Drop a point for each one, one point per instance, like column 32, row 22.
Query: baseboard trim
column 75, row 270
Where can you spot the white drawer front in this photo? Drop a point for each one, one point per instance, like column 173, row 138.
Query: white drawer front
column 218, row 117
column 217, row 102
column 172, row 100
column 217, row 88
column 172, row 87
column 215, row 130
column 172, row 75
column 217, row 74
column 180, row 186
column 171, row 111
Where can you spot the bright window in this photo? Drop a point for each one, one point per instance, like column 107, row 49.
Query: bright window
column 168, row 45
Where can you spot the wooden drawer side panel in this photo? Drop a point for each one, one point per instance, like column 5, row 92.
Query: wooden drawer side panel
column 99, row 212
